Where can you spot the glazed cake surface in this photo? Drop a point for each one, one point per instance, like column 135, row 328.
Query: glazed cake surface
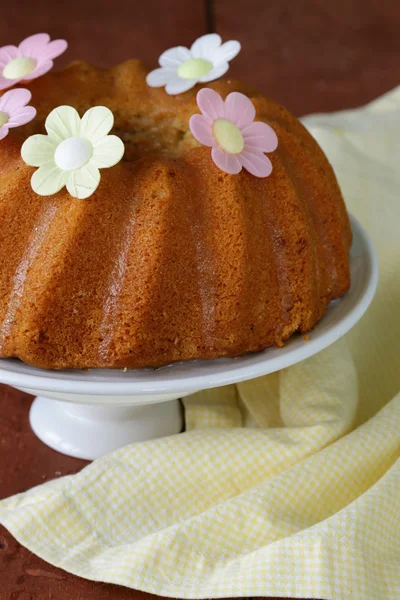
column 170, row 259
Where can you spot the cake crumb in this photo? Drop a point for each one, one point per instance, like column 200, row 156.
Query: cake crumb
column 306, row 338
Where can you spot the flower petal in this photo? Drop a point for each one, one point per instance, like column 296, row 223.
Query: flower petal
column 62, row 123
column 201, row 130
column 210, row 104
column 174, row 57
column 7, row 83
column 96, row 123
column 21, row 116
column 206, row 46
column 178, row 85
column 3, row 132
column 160, row 77
column 260, row 136
column 33, row 44
column 229, row 163
column 215, row 73
column 38, row 150
column 239, row 109
column 8, row 53
column 108, row 152
column 48, row 179
column 227, row 52
column 256, row 163
column 41, row 69
column 83, row 182
column 52, row 50
column 14, row 99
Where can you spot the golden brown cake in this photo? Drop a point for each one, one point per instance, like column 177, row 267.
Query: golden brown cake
column 170, row 259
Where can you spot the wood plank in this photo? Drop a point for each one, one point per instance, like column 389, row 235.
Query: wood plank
column 314, row 56
column 104, row 32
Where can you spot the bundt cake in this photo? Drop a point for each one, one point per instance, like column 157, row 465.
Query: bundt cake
column 171, row 258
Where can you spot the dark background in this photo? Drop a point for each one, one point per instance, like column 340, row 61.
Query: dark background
column 310, row 55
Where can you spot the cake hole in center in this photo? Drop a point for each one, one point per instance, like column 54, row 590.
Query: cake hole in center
column 146, row 135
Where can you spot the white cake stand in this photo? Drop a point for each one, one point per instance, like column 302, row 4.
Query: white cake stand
column 89, row 413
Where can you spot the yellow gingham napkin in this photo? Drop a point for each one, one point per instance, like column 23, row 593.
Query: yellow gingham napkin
column 288, row 485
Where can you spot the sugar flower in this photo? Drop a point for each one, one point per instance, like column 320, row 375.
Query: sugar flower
column 31, row 59
column 230, row 130
column 181, row 68
column 14, row 110
column 73, row 151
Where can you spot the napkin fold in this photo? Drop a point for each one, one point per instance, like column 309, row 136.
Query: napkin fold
column 287, row 485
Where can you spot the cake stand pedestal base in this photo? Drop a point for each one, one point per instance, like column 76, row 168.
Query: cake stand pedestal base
column 87, row 413
column 88, row 432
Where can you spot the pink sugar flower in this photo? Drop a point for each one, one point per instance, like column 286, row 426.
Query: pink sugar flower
column 229, row 129
column 14, row 110
column 31, row 59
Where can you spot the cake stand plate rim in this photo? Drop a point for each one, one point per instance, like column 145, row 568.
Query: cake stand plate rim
column 192, row 376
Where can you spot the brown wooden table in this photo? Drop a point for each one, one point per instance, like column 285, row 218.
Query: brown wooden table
column 311, row 55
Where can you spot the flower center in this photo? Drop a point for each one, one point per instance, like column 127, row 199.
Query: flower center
column 194, row 68
column 3, row 118
column 73, row 153
column 228, row 136
column 19, row 67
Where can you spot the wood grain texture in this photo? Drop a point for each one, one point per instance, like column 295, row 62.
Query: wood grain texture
column 106, row 32
column 313, row 55
column 310, row 55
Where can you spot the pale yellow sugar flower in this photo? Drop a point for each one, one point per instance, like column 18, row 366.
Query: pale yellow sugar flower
column 73, row 151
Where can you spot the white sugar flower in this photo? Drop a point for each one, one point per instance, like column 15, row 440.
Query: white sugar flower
column 181, row 68
column 73, row 151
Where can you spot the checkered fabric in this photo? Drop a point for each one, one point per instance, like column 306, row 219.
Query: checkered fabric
column 288, row 485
